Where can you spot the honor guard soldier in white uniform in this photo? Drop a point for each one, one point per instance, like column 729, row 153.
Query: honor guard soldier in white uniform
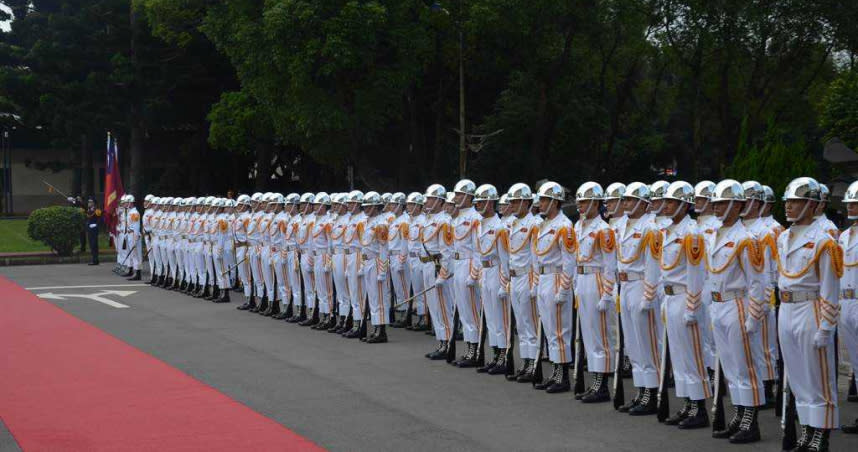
column 810, row 264
column 849, row 286
column 305, row 247
column 291, row 285
column 339, row 226
column 614, row 202
column 209, row 236
column 503, row 209
column 229, row 245
column 265, row 266
column 756, row 225
column 119, row 239
column 769, row 199
column 466, row 268
column 682, row 275
column 436, row 240
column 735, row 284
column 181, row 224
column 637, row 276
column 221, row 240
column 373, row 241
column 416, row 221
column 555, row 247
column 707, row 222
column 656, row 192
column 523, row 232
column 323, row 263
column 135, row 238
column 273, row 242
column 255, row 247
column 148, row 227
column 354, row 278
column 242, row 249
column 493, row 254
column 398, row 244
column 595, row 276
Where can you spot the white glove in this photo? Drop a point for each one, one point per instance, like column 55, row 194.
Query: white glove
column 822, row 338
column 604, row 303
column 751, row 325
column 327, row 268
column 766, row 307
column 470, row 282
column 646, row 305
column 690, row 317
column 503, row 294
column 439, row 282
column 561, row 297
column 534, row 291
column 382, row 277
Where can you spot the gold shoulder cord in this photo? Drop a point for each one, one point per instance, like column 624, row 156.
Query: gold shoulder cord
column 836, row 261
column 530, row 237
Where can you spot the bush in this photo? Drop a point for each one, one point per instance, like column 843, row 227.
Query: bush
column 57, row 227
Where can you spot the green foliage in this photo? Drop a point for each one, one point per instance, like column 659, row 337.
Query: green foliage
column 58, row 227
column 839, row 107
column 774, row 160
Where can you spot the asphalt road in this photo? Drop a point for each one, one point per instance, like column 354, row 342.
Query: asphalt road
column 350, row 396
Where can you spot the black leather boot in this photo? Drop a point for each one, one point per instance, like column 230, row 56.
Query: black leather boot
column 300, row 315
column 561, row 385
column 632, row 403
column 599, row 389
column 379, row 337
column 768, row 390
column 223, row 296
column 554, row 378
column 697, row 416
column 488, row 366
column 338, row 327
column 817, row 439
column 647, row 404
column 500, row 368
column 136, row 276
column 311, row 319
column 680, row 415
column 528, row 368
column 275, row 309
column 439, row 353
column 323, row 322
column 733, row 426
column 249, row 304
column 213, row 294
column 469, row 359
column 749, row 429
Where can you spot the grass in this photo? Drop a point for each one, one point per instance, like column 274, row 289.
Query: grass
column 14, row 239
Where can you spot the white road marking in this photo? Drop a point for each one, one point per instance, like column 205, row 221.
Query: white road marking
column 85, row 287
column 99, row 297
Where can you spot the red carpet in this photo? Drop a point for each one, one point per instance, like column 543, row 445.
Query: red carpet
column 68, row 386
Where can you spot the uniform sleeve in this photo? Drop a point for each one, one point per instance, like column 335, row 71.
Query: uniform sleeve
column 830, row 266
column 445, row 246
column 608, row 248
column 503, row 256
column 568, row 244
column 753, row 264
column 652, row 259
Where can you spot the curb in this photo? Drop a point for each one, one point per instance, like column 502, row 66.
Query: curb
column 50, row 260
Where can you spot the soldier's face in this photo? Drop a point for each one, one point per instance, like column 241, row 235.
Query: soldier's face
column 720, row 209
column 655, row 205
column 587, row 209
column 611, row 206
column 544, row 205
column 700, row 203
column 519, row 207
column 450, row 207
column 852, row 209
column 767, row 209
column 820, row 208
column 633, row 207
column 669, row 208
column 799, row 210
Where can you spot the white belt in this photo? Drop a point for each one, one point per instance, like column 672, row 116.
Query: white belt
column 518, row 271
column 549, row 269
column 798, row 296
column 673, row 289
column 489, row 263
column 586, row 270
column 630, row 276
column 727, row 295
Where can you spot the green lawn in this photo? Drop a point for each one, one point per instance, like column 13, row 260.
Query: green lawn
column 14, row 239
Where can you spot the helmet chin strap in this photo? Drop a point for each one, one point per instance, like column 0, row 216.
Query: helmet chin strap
column 616, row 209
column 726, row 211
column 660, row 208
column 747, row 210
column 800, row 215
column 676, row 212
column 702, row 209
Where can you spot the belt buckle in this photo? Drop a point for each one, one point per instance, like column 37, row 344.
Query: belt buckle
column 623, row 276
column 716, row 296
column 849, row 293
column 580, row 270
column 668, row 290
column 786, row 296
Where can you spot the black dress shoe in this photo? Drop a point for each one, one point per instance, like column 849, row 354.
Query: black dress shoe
column 749, row 429
column 697, row 416
column 223, row 297
column 527, row 370
column 554, row 378
column 439, row 353
column 469, row 359
column 584, row 394
column 353, row 333
column 680, row 415
column 263, row 305
column 733, row 426
column 250, row 303
column 647, row 404
column 488, row 366
column 631, row 403
column 500, row 367
column 136, row 277
column 562, row 383
column 213, row 294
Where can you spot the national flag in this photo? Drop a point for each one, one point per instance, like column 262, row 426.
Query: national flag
column 113, row 190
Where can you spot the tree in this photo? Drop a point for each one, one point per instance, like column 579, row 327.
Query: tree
column 839, row 110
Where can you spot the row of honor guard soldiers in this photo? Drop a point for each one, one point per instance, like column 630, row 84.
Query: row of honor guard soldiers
column 726, row 300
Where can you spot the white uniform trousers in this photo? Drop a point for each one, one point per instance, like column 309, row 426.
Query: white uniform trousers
column 740, row 353
column 596, row 326
column 136, row 258
column 267, row 272
column 242, row 253
column 199, row 263
column 229, row 263
column 440, row 301
column 152, row 249
column 769, row 339
column 278, row 261
column 556, row 319
column 641, row 333
column 467, row 299
column 256, row 271
column 848, row 329
column 208, row 258
column 293, row 272
column 341, row 261
column 810, row 371
column 324, row 285
column 121, row 248
column 415, row 273
column 686, row 349
column 354, row 278
column 308, row 262
column 526, row 316
column 219, row 269
column 378, row 293
column 495, row 310
column 400, row 278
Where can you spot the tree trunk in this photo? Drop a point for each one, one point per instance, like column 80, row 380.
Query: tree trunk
column 263, row 165
column 87, row 188
column 137, row 150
